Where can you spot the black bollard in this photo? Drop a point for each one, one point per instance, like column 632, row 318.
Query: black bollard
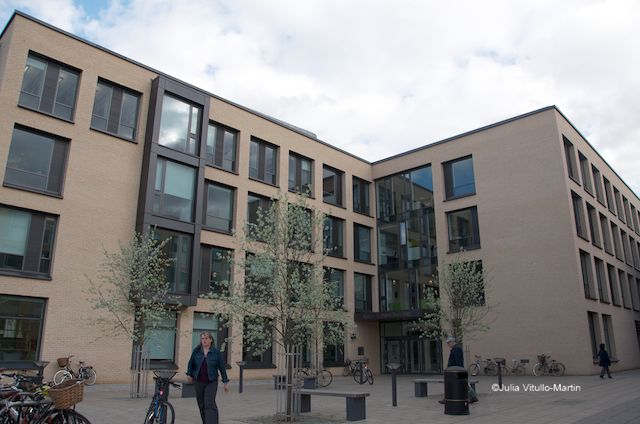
column 241, row 364
column 499, row 373
column 394, row 391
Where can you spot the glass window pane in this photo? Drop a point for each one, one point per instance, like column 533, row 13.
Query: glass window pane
column 20, row 327
column 174, row 124
column 101, row 106
column 128, row 116
column 14, row 229
column 174, row 196
column 229, row 151
column 219, row 212
column 29, row 160
column 65, row 94
column 32, row 82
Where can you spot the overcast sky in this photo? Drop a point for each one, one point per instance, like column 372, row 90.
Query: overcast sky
column 377, row 78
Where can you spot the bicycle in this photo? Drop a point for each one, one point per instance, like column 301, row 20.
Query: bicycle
column 160, row 410
column 85, row 373
column 349, row 367
column 362, row 373
column 487, row 366
column 517, row 367
column 546, row 367
column 324, row 377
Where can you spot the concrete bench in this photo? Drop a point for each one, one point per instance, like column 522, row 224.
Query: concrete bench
column 421, row 385
column 356, row 408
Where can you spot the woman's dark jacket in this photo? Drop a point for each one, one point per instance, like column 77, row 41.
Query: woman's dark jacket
column 215, row 363
column 456, row 357
column 605, row 361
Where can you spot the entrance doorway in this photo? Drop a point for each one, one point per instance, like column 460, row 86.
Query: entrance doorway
column 416, row 355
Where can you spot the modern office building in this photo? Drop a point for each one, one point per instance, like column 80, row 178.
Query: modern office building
column 94, row 146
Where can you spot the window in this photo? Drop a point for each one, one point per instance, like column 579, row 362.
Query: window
column 609, row 341
column 634, row 217
column 634, row 252
column 613, row 285
column 362, row 243
column 578, row 214
column 616, row 195
column 622, row 279
column 36, row 162
column 458, row 178
column 626, row 248
column 587, row 276
column 333, row 353
column 597, row 183
column 361, row 196
column 49, row 87
column 216, row 270
column 586, row 175
column 593, row 225
column 257, row 206
column 334, row 236
column 638, row 292
column 570, row 157
column 263, row 158
column 606, row 234
column 161, row 340
column 179, row 125
column 222, row 147
column 362, row 292
column 213, row 324
column 633, row 293
column 300, row 176
column 335, row 277
column 332, row 181
column 258, row 273
column 115, row 110
column 617, row 244
column 178, row 249
column 463, row 229
column 601, row 279
column 26, row 242
column 592, row 319
column 21, row 327
column 609, row 195
column 218, row 210
column 174, row 190
column 627, row 212
column 256, row 352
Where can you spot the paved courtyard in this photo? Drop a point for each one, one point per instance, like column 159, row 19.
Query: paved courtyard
column 587, row 400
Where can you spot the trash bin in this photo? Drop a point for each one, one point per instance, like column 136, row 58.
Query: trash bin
column 456, row 394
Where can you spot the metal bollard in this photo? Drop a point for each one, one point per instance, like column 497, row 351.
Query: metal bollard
column 499, row 362
column 241, row 364
column 393, row 367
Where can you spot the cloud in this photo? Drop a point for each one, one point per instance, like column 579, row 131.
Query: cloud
column 377, row 80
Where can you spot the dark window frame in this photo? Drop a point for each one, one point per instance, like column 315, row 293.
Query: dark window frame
column 295, row 180
column 356, row 243
column 474, row 235
column 361, row 196
column 22, row 317
column 217, row 157
column 259, row 171
column 231, row 213
column 366, row 304
column 115, row 114
column 331, row 232
column 333, row 185
column 161, row 192
column 192, row 138
column 570, row 160
column 450, row 188
column 208, row 281
column 585, row 174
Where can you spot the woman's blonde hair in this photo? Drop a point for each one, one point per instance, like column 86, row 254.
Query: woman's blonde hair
column 208, row 334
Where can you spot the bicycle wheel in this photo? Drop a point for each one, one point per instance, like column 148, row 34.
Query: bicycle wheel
column 346, row 371
column 474, row 369
column 164, row 415
column 558, row 369
column 491, row 369
column 538, row 369
column 325, row 378
column 88, row 376
column 519, row 370
column 357, row 376
column 369, row 375
column 69, row 416
column 61, row 376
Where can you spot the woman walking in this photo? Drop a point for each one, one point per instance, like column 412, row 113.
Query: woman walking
column 605, row 361
column 205, row 363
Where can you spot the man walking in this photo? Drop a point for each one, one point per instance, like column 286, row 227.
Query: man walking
column 605, row 361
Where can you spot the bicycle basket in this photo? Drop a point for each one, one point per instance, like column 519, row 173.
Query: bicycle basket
column 63, row 362
column 66, row 394
column 542, row 358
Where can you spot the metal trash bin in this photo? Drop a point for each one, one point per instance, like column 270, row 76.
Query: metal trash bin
column 456, row 391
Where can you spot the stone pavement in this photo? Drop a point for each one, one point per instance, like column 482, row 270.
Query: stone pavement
column 586, row 400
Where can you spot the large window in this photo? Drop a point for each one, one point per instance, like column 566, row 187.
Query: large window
column 222, row 144
column 213, row 324
column 257, row 206
column 458, row 178
column 174, row 190
column 361, row 196
column 49, row 87
column 609, row 340
column 20, row 328
column 332, row 182
column 179, row 125
column 594, row 331
column 37, row 161
column 255, row 351
column 263, row 159
column 586, row 175
column 333, row 354
column 601, row 278
column 26, row 242
column 335, row 277
column 613, row 285
column 587, row 275
column 334, row 236
column 463, row 229
column 609, row 195
column 592, row 216
column 115, row 110
column 300, row 174
column 619, row 208
column 217, row 270
column 218, row 213
column 178, row 250
column 578, row 214
column 597, row 183
column 161, row 340
column 362, row 243
column 617, row 242
column 606, row 234
column 362, row 292
column 570, row 156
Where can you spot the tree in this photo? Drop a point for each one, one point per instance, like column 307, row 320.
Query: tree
column 131, row 293
column 283, row 298
column 463, row 310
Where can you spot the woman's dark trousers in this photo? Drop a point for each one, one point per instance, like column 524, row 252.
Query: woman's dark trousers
column 206, row 396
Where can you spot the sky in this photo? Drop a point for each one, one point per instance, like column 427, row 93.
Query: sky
column 377, row 78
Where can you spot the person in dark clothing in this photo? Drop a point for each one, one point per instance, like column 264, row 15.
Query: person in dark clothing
column 456, row 357
column 605, row 361
column 204, row 365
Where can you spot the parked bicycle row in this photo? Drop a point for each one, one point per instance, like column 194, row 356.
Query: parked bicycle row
column 489, row 366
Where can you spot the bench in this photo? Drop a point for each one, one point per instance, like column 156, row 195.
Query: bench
column 421, row 385
column 356, row 409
